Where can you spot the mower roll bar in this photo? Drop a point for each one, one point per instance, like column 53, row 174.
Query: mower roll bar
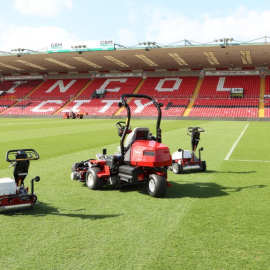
column 28, row 151
column 124, row 103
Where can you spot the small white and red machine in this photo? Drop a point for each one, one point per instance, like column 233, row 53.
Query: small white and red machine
column 13, row 194
column 185, row 160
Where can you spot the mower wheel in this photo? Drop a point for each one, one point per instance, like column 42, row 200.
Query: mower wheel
column 203, row 166
column 156, row 185
column 92, row 180
column 177, row 168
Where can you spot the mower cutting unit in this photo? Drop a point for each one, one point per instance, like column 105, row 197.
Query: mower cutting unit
column 13, row 193
column 141, row 158
column 184, row 160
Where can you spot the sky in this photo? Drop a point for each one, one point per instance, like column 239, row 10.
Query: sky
column 35, row 24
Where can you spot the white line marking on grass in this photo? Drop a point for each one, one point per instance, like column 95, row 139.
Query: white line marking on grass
column 246, row 160
column 235, row 144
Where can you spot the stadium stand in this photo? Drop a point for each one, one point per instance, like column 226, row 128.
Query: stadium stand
column 48, row 98
column 92, row 106
column 219, row 86
column 169, row 87
column 17, row 89
column 171, row 107
column 114, row 87
column 5, row 103
column 59, row 96
column 59, row 89
column 225, row 108
column 35, row 107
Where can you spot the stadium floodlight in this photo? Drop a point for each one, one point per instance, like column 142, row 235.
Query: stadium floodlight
column 78, row 46
column 149, row 45
column 225, row 41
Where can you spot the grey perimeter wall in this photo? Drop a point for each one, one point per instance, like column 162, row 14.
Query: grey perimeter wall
column 255, row 119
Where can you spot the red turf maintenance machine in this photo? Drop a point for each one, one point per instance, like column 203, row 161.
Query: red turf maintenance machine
column 185, row 160
column 141, row 158
column 73, row 115
column 13, row 194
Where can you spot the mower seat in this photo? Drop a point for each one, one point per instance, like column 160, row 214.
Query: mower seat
column 138, row 133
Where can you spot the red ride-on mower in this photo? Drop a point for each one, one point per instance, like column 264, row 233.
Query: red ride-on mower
column 141, row 158
column 184, row 160
column 13, row 193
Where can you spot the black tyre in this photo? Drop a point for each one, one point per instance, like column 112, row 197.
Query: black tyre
column 177, row 168
column 203, row 166
column 156, row 185
column 92, row 180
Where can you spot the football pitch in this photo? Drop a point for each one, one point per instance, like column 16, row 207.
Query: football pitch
column 218, row 219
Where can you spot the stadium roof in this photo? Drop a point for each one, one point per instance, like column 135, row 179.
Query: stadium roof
column 149, row 57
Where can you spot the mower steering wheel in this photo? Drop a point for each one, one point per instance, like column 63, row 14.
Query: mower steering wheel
column 121, row 125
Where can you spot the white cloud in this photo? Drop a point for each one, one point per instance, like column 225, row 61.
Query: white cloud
column 34, row 38
column 126, row 37
column 167, row 26
column 42, row 8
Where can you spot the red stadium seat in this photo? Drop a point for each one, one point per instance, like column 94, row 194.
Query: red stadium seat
column 169, row 87
column 92, row 106
column 219, row 86
column 59, row 89
column 36, row 107
column 4, row 104
column 225, row 107
column 114, row 87
column 17, row 89
column 171, row 107
column 267, row 108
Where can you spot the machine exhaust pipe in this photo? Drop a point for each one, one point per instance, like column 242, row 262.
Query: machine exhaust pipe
column 191, row 167
column 8, row 208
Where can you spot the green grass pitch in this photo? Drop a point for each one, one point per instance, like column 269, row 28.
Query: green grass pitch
column 219, row 219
